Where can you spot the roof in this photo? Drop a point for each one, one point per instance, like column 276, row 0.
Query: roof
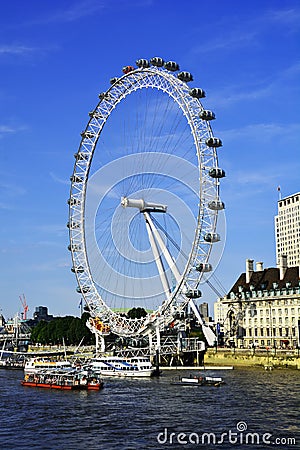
column 263, row 280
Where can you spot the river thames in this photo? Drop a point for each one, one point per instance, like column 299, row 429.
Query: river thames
column 255, row 409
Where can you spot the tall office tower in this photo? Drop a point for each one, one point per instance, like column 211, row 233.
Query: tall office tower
column 287, row 230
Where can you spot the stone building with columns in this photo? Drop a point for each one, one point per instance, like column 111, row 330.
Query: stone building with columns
column 262, row 309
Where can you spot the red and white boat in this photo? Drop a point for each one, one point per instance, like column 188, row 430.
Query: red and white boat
column 64, row 380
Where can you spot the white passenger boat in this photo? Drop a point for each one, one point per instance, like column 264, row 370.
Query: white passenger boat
column 115, row 366
column 34, row 365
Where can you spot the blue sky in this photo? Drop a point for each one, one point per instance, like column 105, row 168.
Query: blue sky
column 55, row 57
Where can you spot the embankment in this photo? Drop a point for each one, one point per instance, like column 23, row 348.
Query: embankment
column 272, row 358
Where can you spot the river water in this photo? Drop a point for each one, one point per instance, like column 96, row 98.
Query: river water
column 255, row 409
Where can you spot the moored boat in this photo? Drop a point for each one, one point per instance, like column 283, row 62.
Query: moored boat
column 34, row 365
column 115, row 366
column 198, row 381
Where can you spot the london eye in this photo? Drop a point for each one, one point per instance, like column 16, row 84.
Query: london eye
column 144, row 198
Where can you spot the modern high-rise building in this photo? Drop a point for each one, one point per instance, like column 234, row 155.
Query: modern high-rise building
column 287, row 230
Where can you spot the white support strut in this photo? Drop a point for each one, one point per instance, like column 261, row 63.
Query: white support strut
column 207, row 331
column 164, row 249
column 157, row 258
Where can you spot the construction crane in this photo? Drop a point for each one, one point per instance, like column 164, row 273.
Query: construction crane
column 25, row 306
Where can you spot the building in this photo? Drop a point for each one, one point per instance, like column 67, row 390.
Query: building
column 262, row 308
column 287, row 230
column 203, row 309
column 41, row 313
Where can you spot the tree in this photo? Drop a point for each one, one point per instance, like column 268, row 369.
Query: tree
column 69, row 329
column 136, row 313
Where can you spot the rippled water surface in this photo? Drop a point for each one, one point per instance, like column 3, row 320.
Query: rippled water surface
column 254, row 409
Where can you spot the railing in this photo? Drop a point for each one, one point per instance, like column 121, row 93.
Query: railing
column 258, row 351
column 168, row 346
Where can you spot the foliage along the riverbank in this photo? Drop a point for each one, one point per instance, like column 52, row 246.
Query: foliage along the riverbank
column 69, row 329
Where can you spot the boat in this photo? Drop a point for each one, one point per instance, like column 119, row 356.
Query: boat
column 34, row 365
column 63, row 380
column 10, row 363
column 198, row 381
column 115, row 366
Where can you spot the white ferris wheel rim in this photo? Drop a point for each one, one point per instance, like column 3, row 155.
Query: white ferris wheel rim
column 142, row 78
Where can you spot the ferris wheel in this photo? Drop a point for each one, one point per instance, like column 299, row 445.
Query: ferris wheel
column 144, row 198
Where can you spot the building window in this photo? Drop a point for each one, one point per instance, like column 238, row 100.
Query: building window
column 286, row 332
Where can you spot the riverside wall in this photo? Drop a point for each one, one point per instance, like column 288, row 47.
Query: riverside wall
column 272, row 358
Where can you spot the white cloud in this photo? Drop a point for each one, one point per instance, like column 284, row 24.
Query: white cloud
column 262, row 132
column 59, row 180
column 9, row 129
column 16, row 49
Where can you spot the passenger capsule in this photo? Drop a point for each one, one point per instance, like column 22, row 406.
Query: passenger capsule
column 73, row 225
column 171, row 65
column 114, row 80
column 83, row 289
column 216, row 172
column 212, row 237
column 103, row 95
column 207, row 115
column 73, row 201
column 197, row 93
column 95, row 114
column 127, row 69
column 76, row 179
column 142, row 63
column 185, row 76
column 78, row 269
column 87, row 135
column 193, row 293
column 204, row 267
column 216, row 205
column 213, row 142
column 74, row 248
column 156, row 61
column 81, row 156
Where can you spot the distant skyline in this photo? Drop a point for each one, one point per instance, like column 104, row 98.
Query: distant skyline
column 56, row 57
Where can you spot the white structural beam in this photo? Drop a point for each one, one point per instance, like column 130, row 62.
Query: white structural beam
column 157, row 258
column 163, row 248
column 207, row 331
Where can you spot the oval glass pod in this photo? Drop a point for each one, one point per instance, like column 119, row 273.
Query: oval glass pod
column 76, row 179
column 83, row 289
column 171, row 65
column 207, row 115
column 212, row 237
column 204, row 267
column 197, row 93
column 78, row 269
column 142, row 63
column 157, row 61
column 216, row 205
column 87, row 134
column 185, row 76
column 216, row 172
column 114, row 80
column 73, row 201
column 213, row 142
column 193, row 293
